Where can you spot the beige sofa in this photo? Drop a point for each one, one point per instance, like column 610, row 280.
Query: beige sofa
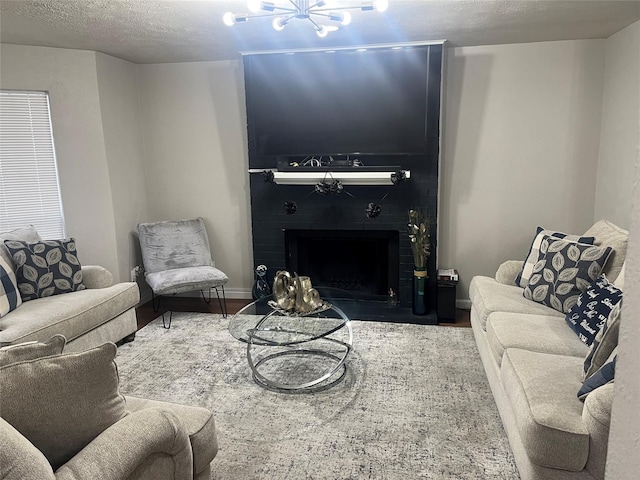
column 103, row 312
column 534, row 364
column 63, row 418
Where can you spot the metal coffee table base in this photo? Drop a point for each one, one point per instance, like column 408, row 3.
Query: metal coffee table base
column 331, row 375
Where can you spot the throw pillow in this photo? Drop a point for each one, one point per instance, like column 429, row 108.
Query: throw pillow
column 61, row 403
column 565, row 270
column 25, row 234
column 592, row 309
column 602, row 376
column 605, row 342
column 31, row 350
column 45, row 268
column 9, row 296
column 534, row 252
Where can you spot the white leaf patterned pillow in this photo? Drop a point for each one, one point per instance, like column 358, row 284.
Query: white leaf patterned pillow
column 564, row 271
column 46, row 268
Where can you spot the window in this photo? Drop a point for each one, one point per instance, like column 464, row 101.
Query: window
column 29, row 189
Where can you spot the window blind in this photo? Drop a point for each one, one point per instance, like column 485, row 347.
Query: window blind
column 29, row 189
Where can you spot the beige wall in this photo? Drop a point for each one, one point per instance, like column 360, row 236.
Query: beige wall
column 71, row 80
column 620, row 134
column 120, row 109
column 618, row 181
column 194, row 134
column 520, row 149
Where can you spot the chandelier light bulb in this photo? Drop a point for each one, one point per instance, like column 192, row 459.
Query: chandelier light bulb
column 254, row 5
column 346, row 18
column 381, row 5
column 229, row 19
column 322, row 31
column 279, row 23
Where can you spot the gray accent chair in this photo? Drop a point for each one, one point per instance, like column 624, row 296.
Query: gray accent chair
column 177, row 259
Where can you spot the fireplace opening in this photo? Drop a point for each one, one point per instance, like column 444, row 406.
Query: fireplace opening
column 363, row 262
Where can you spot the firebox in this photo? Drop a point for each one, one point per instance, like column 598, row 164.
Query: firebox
column 364, row 262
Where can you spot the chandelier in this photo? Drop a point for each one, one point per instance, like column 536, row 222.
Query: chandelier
column 320, row 13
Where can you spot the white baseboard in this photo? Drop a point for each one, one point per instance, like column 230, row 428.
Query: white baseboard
column 463, row 304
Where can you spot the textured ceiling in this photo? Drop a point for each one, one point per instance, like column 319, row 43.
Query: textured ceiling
column 159, row 31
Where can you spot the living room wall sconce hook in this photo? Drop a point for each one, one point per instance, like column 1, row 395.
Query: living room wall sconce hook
column 323, row 17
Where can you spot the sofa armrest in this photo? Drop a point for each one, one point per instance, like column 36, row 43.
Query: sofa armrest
column 94, row 276
column 508, row 271
column 121, row 448
column 596, row 416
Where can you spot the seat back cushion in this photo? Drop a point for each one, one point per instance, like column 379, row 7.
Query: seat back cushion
column 175, row 244
column 607, row 234
column 31, row 350
column 61, row 403
column 26, row 234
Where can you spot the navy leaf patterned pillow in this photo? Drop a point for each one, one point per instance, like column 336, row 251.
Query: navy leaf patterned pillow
column 592, row 309
column 46, row 268
column 564, row 272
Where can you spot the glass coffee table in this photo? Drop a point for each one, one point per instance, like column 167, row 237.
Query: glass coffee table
column 297, row 352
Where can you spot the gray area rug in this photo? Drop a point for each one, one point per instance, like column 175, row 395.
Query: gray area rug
column 414, row 403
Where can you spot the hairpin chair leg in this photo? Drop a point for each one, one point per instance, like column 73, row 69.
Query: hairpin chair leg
column 156, row 307
column 167, row 325
column 224, row 297
column 206, row 300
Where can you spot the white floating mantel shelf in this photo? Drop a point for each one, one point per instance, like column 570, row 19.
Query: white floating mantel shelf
column 365, row 177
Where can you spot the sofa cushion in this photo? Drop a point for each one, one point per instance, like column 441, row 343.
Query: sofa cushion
column 72, row 314
column 198, row 422
column 62, row 403
column 541, row 389
column 610, row 235
column 488, row 296
column 534, row 251
column 25, row 234
column 46, row 268
column 605, row 342
column 31, row 350
column 535, row 333
column 592, row 309
column 564, row 272
column 9, row 295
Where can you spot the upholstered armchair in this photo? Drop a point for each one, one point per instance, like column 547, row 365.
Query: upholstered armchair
column 177, row 259
column 63, row 417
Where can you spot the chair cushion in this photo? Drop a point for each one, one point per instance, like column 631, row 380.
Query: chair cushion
column 62, row 403
column 535, row 333
column 542, row 388
column 607, row 234
column 31, row 350
column 198, row 422
column 173, row 245
column 189, row 279
column 488, row 296
column 72, row 314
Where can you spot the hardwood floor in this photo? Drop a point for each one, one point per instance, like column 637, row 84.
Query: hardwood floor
column 145, row 313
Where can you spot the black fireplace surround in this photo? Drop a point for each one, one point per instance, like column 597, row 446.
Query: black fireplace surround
column 331, row 238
